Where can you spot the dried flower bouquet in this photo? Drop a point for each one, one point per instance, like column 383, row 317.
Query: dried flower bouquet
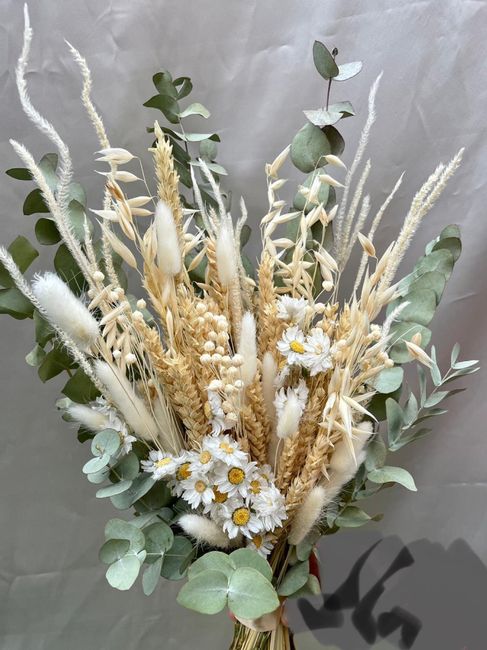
column 240, row 417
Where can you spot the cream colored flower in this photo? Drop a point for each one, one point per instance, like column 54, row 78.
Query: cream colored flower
column 291, row 309
column 317, row 357
column 291, row 345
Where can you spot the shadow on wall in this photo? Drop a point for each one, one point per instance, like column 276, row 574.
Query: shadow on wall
column 420, row 596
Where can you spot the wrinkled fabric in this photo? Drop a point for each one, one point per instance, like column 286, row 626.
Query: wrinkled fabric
column 251, row 65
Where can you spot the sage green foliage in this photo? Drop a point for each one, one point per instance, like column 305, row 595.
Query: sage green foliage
column 241, row 581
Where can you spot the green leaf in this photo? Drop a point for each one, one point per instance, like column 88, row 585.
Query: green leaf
column 113, row 550
column 376, row 453
column 177, row 559
column 323, row 117
column 164, row 83
column 452, row 244
column 13, row 303
column 337, row 143
column 388, row 380
column 167, row 105
column 195, row 109
column 212, row 561
column 295, row 578
column 250, row 595
column 77, row 218
column 98, row 477
column 205, row 593
column 432, row 280
column 44, row 331
column 158, row 539
column 439, row 260
column 157, row 497
column 345, row 108
column 46, row 232
column 80, row 388
column 195, row 137
column 123, row 573
column 421, row 307
column 19, row 173
column 352, row 517
column 127, row 468
column 77, row 193
column 34, row 203
column 106, row 442
column 23, row 254
column 54, row 363
column 348, row 70
column 140, row 486
column 150, row 577
column 395, row 420
column 404, row 331
column 304, row 548
column 95, row 465
column 309, row 147
column 186, row 86
column 121, row 529
column 246, row 557
column 112, row 490
column 208, row 149
column 389, row 474
column 35, row 356
column 68, row 270
column 324, row 61
column 48, row 166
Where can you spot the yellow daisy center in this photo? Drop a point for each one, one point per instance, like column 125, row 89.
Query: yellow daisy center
column 226, row 447
column 236, row 475
column 200, row 486
column 241, row 516
column 205, row 457
column 220, row 497
column 163, row 462
column 255, row 487
column 257, row 539
column 296, row 346
column 183, row 472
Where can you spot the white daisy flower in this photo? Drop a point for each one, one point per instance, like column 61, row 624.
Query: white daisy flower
column 160, row 465
column 127, row 441
column 291, row 345
column 291, row 309
column 270, row 507
column 202, row 461
column 317, row 357
column 226, row 449
column 300, row 392
column 281, row 376
column 240, row 519
column 266, row 473
column 197, row 491
column 217, row 508
column 183, row 473
column 236, row 479
column 219, row 421
column 263, row 543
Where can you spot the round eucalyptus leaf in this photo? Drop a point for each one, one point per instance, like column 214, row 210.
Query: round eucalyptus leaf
column 309, row 147
column 212, row 561
column 376, row 453
column 158, row 539
column 120, row 529
column 177, row 559
column 388, row 380
column 348, row 70
column 432, row 280
column 157, row 497
column 421, row 307
column 77, row 193
column 246, row 557
column 324, row 61
column 250, row 595
column 452, row 244
column 300, row 201
column 208, row 149
column 294, row 579
column 113, row 550
column 405, row 331
column 94, row 465
column 78, row 218
column 127, row 467
column 113, row 489
column 388, row 474
column 47, row 232
column 150, row 577
column 322, row 117
column 352, row 517
column 99, row 477
column 440, row 260
column 205, row 593
column 123, row 573
column 337, row 143
column 106, row 442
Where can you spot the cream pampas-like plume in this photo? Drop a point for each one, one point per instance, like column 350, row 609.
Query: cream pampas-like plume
column 248, row 348
column 168, row 251
column 65, row 310
column 122, row 394
column 225, row 254
column 204, row 530
column 288, row 421
column 88, row 417
column 307, row 515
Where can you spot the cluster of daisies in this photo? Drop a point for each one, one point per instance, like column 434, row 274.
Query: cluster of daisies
column 220, row 481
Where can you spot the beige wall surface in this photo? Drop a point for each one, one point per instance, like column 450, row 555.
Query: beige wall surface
column 251, row 65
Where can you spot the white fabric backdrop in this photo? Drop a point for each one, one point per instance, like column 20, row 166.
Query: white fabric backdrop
column 251, row 65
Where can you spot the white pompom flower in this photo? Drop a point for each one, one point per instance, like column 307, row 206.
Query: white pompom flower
column 317, row 357
column 292, row 310
column 270, row 508
column 300, row 391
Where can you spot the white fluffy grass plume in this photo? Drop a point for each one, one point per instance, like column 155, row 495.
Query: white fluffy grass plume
column 65, row 310
column 168, row 252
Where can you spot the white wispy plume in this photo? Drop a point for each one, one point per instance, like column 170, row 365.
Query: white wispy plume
column 204, row 530
column 122, row 394
column 65, row 310
column 88, row 417
column 307, row 515
column 225, row 254
column 168, row 252
column 248, row 348
column 288, row 421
